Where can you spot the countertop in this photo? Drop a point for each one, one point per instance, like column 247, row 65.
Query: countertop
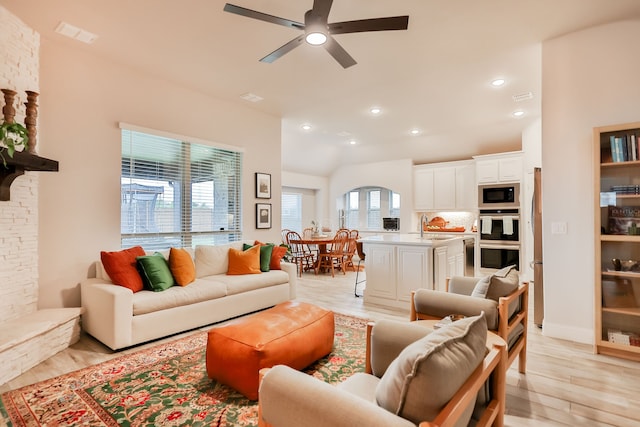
column 413, row 239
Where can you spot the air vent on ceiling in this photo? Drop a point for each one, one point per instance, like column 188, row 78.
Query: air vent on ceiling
column 75, row 33
column 523, row 97
column 251, row 97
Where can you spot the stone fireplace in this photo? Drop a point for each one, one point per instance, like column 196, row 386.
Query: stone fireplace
column 29, row 335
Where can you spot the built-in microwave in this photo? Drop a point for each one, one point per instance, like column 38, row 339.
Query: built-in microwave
column 500, row 196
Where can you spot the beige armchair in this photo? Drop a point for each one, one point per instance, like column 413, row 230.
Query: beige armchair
column 413, row 376
column 505, row 305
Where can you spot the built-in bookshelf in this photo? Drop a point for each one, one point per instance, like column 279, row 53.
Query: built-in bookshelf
column 617, row 246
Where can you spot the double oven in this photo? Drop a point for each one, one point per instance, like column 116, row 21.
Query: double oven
column 499, row 226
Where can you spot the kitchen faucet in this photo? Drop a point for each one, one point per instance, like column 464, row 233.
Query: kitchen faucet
column 423, row 219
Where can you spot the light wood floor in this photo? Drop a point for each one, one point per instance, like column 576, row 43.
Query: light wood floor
column 565, row 383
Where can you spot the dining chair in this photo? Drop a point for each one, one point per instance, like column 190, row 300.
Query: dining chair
column 351, row 249
column 335, row 254
column 284, row 233
column 300, row 253
column 307, row 234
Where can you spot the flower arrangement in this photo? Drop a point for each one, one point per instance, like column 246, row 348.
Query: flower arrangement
column 315, row 226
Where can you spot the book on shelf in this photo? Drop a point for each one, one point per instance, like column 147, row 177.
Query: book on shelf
column 625, row 148
column 617, row 336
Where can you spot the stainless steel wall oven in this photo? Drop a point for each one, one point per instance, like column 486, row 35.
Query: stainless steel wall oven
column 499, row 238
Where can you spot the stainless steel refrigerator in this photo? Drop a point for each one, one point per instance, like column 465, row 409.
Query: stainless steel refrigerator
column 536, row 223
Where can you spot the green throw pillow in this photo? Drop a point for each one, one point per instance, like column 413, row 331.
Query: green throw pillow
column 265, row 255
column 155, row 272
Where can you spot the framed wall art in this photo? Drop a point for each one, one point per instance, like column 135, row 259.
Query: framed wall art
column 263, row 185
column 263, row 215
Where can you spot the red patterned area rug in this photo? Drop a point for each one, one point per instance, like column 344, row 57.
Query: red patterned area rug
column 165, row 385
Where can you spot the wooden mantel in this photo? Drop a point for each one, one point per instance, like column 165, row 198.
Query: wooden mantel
column 16, row 166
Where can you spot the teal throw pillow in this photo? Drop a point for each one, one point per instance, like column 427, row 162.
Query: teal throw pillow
column 265, row 255
column 155, row 272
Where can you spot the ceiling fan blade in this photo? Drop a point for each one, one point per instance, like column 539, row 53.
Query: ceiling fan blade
column 375, row 24
column 321, row 9
column 338, row 53
column 283, row 49
column 238, row 10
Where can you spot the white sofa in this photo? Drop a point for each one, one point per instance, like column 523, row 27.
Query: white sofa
column 120, row 318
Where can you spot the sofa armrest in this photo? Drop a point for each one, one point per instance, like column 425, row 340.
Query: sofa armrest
column 461, row 285
column 292, row 398
column 108, row 312
column 429, row 304
column 386, row 339
column 292, row 270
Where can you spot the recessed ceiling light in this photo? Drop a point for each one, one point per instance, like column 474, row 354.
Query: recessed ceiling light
column 306, row 126
column 497, row 82
column 415, row 132
column 353, row 142
column 518, row 113
column 375, row 110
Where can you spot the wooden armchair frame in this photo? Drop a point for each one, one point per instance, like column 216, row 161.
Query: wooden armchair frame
column 493, row 366
column 506, row 325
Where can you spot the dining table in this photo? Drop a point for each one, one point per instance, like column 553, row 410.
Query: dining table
column 321, row 241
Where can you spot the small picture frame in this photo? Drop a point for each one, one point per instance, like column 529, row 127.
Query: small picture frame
column 263, row 185
column 263, row 215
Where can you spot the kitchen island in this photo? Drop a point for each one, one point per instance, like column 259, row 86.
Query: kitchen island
column 396, row 264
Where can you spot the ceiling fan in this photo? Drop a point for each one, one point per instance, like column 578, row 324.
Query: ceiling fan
column 317, row 31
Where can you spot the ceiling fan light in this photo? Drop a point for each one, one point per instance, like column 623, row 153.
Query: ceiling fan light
column 316, row 38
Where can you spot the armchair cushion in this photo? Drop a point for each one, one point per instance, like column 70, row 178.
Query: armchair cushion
column 427, row 373
column 388, row 339
column 440, row 304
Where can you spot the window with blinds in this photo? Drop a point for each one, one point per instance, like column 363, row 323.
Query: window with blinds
column 178, row 194
column 292, row 211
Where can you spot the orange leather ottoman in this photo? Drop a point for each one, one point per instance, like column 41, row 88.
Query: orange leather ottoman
column 291, row 333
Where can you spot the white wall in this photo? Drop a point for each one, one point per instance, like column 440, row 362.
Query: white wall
column 395, row 175
column 20, row 46
column 589, row 78
column 82, row 100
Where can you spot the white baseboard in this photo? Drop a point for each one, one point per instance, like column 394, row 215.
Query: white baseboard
column 556, row 330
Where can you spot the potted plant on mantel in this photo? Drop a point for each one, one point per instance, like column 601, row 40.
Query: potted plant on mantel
column 12, row 136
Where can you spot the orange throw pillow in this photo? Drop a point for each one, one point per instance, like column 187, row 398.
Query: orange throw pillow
column 244, row 262
column 121, row 267
column 181, row 266
column 277, row 254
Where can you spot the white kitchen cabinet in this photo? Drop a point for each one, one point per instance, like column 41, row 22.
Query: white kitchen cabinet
column 496, row 168
column 444, row 186
column 466, row 194
column 423, row 188
column 440, row 267
column 381, row 264
column 414, row 270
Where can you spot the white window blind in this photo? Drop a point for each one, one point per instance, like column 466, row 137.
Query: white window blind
column 292, row 211
column 352, row 211
column 374, row 219
column 178, row 194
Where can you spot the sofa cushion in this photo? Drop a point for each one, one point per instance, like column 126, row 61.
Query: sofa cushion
column 244, row 262
column 213, row 259
column 155, row 272
column 121, row 267
column 176, row 296
column 427, row 373
column 237, row 284
column 182, row 266
column 265, row 254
